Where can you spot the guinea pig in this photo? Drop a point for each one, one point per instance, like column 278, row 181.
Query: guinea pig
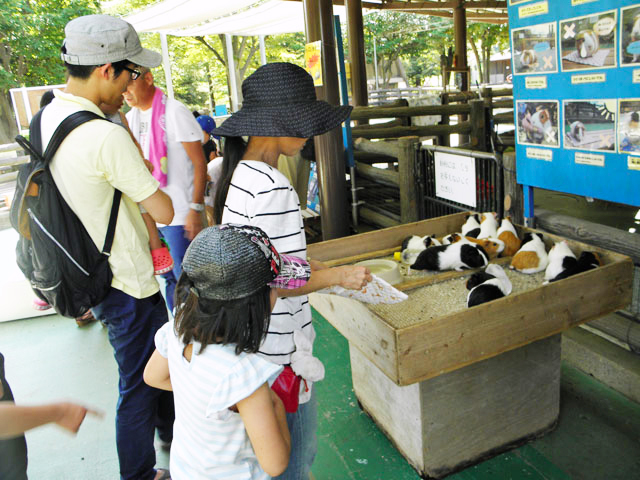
column 532, row 256
column 587, row 43
column 451, row 238
column 576, row 132
column 561, row 258
column 489, row 225
column 471, row 227
column 457, row 256
column 509, row 236
column 493, row 246
column 528, row 58
column 586, row 261
column 489, row 285
column 541, row 120
column 413, row 245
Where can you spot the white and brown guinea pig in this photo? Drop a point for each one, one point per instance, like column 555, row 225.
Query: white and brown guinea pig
column 587, row 43
column 413, row 245
column 492, row 246
column 457, row 256
column 532, row 256
column 489, row 285
column 471, row 227
column 586, row 261
column 561, row 258
column 489, row 225
column 528, row 58
column 509, row 236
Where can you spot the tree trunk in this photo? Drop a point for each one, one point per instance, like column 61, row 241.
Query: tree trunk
column 478, row 59
column 402, row 71
column 8, row 127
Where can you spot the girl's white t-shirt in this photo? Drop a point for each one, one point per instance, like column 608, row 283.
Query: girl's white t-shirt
column 209, row 440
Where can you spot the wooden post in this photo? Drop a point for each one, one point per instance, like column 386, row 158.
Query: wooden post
column 409, row 195
column 444, row 140
column 329, row 148
column 513, row 196
column 355, row 33
column 478, row 137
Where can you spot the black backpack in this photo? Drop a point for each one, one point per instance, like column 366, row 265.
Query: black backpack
column 54, row 251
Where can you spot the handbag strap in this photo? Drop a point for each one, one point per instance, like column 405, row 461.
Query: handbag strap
column 65, row 128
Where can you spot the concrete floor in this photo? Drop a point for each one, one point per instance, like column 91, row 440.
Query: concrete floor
column 48, row 358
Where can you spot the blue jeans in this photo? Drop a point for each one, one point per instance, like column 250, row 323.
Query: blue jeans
column 174, row 235
column 132, row 324
column 304, row 444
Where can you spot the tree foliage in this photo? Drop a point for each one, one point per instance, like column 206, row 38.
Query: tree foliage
column 31, row 33
column 485, row 39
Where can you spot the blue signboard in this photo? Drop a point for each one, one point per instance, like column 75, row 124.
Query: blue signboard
column 576, row 87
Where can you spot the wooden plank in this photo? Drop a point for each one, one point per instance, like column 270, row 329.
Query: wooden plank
column 379, row 175
column 513, row 195
column 360, row 113
column 389, row 148
column 373, row 217
column 385, row 238
column 492, row 328
column 397, row 132
column 371, row 158
column 375, row 339
column 409, row 195
column 363, row 256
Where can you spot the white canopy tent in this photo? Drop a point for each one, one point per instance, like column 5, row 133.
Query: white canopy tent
column 212, row 17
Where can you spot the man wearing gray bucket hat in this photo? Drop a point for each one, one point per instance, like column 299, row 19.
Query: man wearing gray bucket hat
column 102, row 55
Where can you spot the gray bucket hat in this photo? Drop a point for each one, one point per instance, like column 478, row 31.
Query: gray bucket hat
column 100, row 39
column 280, row 101
column 228, row 262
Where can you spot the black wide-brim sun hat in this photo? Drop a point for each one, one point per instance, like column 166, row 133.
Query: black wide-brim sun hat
column 280, row 101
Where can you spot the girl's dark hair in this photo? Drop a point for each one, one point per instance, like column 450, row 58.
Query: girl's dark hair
column 234, row 148
column 84, row 71
column 243, row 322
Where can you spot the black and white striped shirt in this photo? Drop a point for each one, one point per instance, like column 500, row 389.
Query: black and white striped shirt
column 260, row 195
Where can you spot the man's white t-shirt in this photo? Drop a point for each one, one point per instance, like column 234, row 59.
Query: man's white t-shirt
column 181, row 126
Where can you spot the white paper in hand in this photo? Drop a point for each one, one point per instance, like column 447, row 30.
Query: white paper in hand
column 377, row 291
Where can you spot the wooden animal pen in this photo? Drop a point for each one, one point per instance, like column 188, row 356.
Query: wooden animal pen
column 452, row 388
column 403, row 192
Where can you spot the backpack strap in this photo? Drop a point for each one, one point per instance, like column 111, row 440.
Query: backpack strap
column 67, row 126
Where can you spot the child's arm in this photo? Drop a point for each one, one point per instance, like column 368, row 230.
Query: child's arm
column 347, row 276
column 16, row 419
column 264, row 418
column 156, row 373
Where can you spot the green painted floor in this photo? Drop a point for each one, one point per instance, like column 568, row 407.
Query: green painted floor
column 47, row 358
column 598, row 435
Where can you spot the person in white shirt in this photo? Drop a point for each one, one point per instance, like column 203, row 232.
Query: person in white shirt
column 279, row 113
column 171, row 139
column 229, row 423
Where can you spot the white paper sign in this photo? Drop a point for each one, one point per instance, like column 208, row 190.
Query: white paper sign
column 456, row 178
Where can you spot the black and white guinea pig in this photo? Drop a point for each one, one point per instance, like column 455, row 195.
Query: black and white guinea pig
column 457, row 256
column 488, row 285
column 586, row 261
column 488, row 225
column 532, row 256
column 471, row 227
column 561, row 258
column 413, row 245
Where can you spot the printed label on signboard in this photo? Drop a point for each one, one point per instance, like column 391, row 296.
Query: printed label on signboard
column 636, row 76
column 539, row 8
column 590, row 159
column 593, row 78
column 580, row 2
column 540, row 154
column 456, row 178
column 535, row 82
column 633, row 163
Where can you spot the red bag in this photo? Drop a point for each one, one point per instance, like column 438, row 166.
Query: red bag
column 287, row 387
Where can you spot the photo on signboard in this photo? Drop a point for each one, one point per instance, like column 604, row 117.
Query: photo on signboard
column 630, row 36
column 538, row 123
column 534, row 49
column 515, row 2
column 629, row 125
column 590, row 125
column 589, row 42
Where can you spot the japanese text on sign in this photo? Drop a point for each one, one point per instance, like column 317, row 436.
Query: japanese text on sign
column 456, row 178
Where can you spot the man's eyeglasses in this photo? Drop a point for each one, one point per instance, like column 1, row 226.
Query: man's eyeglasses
column 134, row 73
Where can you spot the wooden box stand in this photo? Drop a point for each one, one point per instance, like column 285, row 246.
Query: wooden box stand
column 451, row 390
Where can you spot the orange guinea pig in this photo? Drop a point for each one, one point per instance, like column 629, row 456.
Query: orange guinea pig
column 508, row 234
column 492, row 246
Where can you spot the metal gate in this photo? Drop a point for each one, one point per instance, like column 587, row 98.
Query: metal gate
column 489, row 182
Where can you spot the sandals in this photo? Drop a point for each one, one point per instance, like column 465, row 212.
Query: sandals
column 162, row 261
column 85, row 319
column 39, row 304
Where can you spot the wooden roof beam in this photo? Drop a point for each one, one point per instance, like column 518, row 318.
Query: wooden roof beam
column 445, row 5
column 497, row 18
